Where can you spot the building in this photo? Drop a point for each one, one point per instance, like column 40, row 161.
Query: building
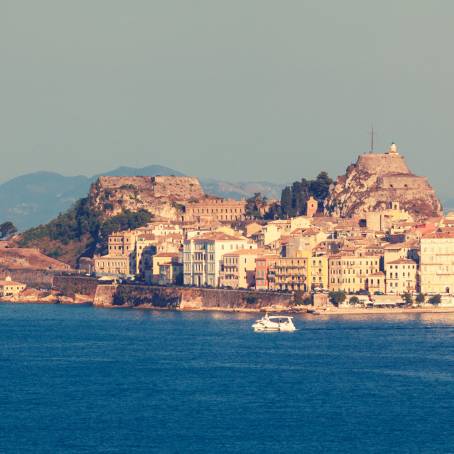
column 170, row 269
column 401, row 276
column 239, row 268
column 291, row 273
column 122, row 243
column 311, row 207
column 202, row 256
column 113, row 265
column 437, row 263
column 171, row 263
column 352, row 272
column 9, row 288
column 265, row 271
column 215, row 209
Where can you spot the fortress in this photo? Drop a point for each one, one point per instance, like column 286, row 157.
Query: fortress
column 160, row 195
column 378, row 181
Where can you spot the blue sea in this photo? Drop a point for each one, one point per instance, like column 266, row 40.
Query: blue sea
column 79, row 379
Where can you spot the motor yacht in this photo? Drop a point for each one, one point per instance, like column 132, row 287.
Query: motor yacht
column 274, row 323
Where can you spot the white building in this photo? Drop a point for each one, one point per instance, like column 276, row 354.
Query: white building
column 437, row 263
column 202, row 256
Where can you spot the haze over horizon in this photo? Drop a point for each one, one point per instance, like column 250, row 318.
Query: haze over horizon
column 250, row 90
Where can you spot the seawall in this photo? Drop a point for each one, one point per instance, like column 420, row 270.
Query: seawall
column 182, row 298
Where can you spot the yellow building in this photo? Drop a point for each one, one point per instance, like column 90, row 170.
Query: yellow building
column 9, row 288
column 291, row 273
column 401, row 276
column 238, row 268
column 352, row 273
column 437, row 263
column 122, row 243
column 215, row 209
column 112, row 264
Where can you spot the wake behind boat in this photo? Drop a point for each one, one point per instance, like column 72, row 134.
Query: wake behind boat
column 274, row 323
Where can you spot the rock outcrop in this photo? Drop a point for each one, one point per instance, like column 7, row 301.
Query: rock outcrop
column 160, row 195
column 380, row 181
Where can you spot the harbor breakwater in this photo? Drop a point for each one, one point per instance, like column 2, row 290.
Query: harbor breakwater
column 180, row 298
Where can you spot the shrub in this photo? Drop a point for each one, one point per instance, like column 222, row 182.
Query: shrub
column 337, row 297
column 353, row 301
column 435, row 300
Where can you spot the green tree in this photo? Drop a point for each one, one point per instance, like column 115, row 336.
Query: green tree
column 407, row 298
column 7, row 229
column 254, row 205
column 420, row 298
column 286, row 201
column 435, row 300
column 294, row 197
column 353, row 301
column 337, row 297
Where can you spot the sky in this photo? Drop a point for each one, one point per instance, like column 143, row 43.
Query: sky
column 234, row 89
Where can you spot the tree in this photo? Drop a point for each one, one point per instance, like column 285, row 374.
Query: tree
column 286, row 201
column 420, row 298
column 353, row 301
column 7, row 229
column 301, row 299
column 435, row 300
column 254, row 205
column 337, row 297
column 407, row 298
column 294, row 198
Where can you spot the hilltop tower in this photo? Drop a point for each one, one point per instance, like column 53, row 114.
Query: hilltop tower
column 379, row 180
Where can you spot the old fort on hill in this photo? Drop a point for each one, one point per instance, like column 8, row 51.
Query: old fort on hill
column 379, row 181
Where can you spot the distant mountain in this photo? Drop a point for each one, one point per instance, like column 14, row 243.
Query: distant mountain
column 36, row 198
column 241, row 190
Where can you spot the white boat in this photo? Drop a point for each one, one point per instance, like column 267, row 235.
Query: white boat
column 274, row 323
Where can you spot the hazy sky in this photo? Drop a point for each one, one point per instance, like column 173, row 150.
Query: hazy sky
column 233, row 89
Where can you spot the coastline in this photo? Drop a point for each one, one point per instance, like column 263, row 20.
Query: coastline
column 310, row 311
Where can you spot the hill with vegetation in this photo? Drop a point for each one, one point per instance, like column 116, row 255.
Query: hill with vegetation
column 80, row 231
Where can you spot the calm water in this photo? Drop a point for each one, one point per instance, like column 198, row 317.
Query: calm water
column 81, row 379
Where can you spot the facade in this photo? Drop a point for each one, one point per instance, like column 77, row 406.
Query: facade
column 215, row 209
column 113, row 265
column 437, row 263
column 291, row 273
column 202, row 257
column 401, row 276
column 265, row 271
column 239, row 267
column 9, row 288
column 352, row 273
column 122, row 243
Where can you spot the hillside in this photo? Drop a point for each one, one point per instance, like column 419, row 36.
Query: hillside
column 36, row 198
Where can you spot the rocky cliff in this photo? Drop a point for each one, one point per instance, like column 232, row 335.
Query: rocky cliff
column 375, row 182
column 159, row 195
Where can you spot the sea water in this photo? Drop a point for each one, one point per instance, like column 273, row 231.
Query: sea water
column 78, row 379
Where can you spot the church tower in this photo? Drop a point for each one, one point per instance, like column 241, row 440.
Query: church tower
column 311, row 207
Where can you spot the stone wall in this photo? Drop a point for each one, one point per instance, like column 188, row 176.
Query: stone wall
column 382, row 163
column 70, row 285
column 33, row 278
column 198, row 298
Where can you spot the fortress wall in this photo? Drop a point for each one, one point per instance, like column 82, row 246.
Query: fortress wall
column 168, row 187
column 403, row 182
column 118, row 182
column 382, row 164
column 177, row 188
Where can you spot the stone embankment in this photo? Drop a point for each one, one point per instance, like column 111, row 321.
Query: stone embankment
column 181, row 298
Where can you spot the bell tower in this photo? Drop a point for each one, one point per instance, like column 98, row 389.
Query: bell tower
column 311, row 207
